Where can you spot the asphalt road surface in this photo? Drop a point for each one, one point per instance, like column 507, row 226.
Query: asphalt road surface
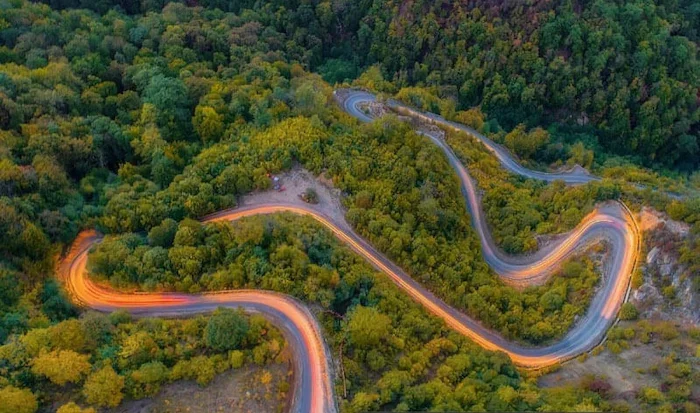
column 312, row 390
column 611, row 221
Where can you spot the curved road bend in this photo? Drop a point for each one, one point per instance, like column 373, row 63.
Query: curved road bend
column 312, row 390
column 587, row 333
column 533, row 268
column 610, row 221
column 574, row 176
column 577, row 176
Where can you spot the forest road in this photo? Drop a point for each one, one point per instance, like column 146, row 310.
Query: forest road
column 312, row 390
column 611, row 221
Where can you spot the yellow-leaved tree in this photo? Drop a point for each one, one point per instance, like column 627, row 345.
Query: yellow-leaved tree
column 61, row 366
column 104, row 387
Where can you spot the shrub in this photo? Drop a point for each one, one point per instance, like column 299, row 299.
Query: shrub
column 650, row 395
column 226, row 329
column 14, row 400
column 104, row 388
column 310, row 196
column 628, row 312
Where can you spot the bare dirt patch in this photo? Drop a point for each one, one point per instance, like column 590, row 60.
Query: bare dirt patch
column 621, row 371
column 650, row 219
column 295, row 182
column 251, row 388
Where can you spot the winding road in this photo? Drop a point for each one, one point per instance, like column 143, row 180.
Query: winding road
column 313, row 376
column 611, row 221
column 355, row 98
column 312, row 391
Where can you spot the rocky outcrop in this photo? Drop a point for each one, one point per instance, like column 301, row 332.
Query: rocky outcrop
column 667, row 292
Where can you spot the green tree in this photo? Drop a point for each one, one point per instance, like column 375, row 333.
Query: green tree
column 170, row 98
column 367, row 326
column 68, row 335
column 236, row 358
column 97, row 329
column 552, row 300
column 10, row 291
column 526, row 144
column 200, row 368
column 472, row 117
column 189, row 233
column 373, row 79
column 208, row 124
column 628, row 312
column 578, row 154
column 363, row 402
column 226, row 329
column 163, row 234
column 149, row 377
column 138, row 348
column 310, row 98
column 650, row 395
column 55, row 304
column 187, row 261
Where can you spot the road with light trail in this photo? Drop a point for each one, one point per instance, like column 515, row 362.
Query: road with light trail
column 312, row 388
column 356, row 98
column 611, row 221
column 313, row 380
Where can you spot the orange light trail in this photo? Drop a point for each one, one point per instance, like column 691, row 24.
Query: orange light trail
column 313, row 391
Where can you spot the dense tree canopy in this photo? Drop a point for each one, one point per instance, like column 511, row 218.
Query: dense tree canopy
column 139, row 120
column 613, row 65
column 226, row 330
column 627, row 69
column 108, row 358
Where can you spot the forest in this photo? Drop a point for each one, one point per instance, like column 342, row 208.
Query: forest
column 102, row 359
column 394, row 355
column 623, row 73
column 616, row 75
column 141, row 119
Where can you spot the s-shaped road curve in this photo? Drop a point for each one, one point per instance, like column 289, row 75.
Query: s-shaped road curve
column 356, row 97
column 313, row 390
column 611, row 221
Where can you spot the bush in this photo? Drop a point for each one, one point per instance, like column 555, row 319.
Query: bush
column 71, row 407
column 236, row 358
column 667, row 330
column 226, row 329
column 104, row 388
column 628, row 312
column 14, row 400
column 669, row 292
column 310, row 196
column 650, row 395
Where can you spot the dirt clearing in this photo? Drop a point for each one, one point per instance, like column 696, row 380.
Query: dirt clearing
column 251, row 388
